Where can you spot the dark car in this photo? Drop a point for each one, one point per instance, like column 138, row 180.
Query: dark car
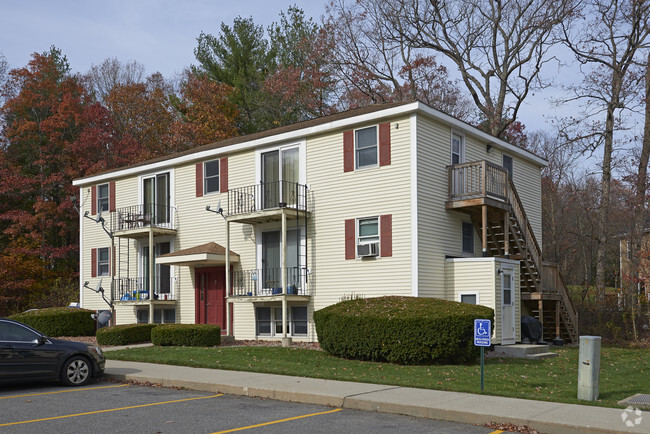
column 27, row 355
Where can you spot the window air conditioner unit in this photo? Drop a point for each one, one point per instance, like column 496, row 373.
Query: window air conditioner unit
column 367, row 250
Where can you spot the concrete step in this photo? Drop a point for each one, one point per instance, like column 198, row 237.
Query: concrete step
column 520, row 351
column 540, row 356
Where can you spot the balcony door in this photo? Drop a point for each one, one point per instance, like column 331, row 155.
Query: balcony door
column 271, row 260
column 162, row 272
column 156, row 194
column 280, row 173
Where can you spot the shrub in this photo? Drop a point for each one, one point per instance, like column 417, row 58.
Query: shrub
column 125, row 334
column 404, row 330
column 190, row 335
column 59, row 321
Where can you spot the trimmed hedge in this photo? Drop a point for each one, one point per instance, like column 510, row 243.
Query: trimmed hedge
column 403, row 330
column 125, row 334
column 190, row 335
column 59, row 321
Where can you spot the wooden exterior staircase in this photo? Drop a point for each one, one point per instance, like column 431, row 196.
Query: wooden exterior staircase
column 485, row 191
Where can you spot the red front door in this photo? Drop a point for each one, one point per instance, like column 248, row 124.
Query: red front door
column 211, row 296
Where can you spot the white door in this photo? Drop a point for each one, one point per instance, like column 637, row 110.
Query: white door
column 507, row 308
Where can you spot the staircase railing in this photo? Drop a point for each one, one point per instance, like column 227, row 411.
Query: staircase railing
column 552, row 280
column 532, row 247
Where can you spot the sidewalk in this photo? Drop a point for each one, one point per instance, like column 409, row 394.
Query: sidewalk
column 548, row 417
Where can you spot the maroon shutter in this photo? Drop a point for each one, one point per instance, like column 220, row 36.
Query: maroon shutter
column 384, row 144
column 113, row 261
column 199, row 179
column 93, row 200
column 93, row 263
column 349, row 239
column 348, row 151
column 111, row 197
column 223, row 175
column 386, row 227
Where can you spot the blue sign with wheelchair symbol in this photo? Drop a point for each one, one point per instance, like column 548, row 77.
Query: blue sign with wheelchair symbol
column 482, row 332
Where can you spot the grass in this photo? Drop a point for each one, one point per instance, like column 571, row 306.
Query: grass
column 624, row 371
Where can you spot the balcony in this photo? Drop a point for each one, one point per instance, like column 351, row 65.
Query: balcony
column 136, row 221
column 267, row 201
column 135, row 290
column 477, row 183
column 266, row 284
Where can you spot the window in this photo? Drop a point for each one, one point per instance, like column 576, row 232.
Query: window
column 507, row 164
column 160, row 316
column 269, row 321
column 457, row 149
column 469, row 298
column 102, row 197
column 102, row 261
column 211, row 176
column 366, row 147
column 468, row 238
column 10, row 332
column 299, row 320
column 368, row 230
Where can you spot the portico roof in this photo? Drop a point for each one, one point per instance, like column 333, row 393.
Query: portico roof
column 203, row 255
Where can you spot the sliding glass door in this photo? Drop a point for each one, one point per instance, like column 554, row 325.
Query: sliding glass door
column 280, row 173
column 157, row 198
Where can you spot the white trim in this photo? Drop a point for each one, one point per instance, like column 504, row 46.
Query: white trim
column 415, row 289
column 481, row 259
column 81, row 247
column 475, row 293
column 302, row 133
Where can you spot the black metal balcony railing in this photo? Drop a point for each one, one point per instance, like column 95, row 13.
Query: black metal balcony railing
column 265, row 196
column 142, row 216
column 268, row 281
column 137, row 288
column 477, row 179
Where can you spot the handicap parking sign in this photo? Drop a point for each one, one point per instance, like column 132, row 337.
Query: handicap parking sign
column 482, row 332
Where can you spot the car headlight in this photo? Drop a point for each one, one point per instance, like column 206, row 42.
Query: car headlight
column 97, row 351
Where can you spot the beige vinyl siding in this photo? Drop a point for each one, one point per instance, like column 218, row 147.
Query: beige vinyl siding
column 338, row 196
column 439, row 230
column 479, row 275
column 528, row 182
column 197, row 226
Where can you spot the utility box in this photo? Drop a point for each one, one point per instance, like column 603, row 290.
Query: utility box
column 589, row 368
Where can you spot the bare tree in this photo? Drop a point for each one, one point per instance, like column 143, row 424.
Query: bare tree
column 499, row 46
column 102, row 78
column 607, row 46
column 374, row 63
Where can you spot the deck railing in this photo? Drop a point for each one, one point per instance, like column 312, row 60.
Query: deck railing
column 265, row 196
column 268, row 281
column 137, row 288
column 477, row 179
column 552, row 280
column 143, row 216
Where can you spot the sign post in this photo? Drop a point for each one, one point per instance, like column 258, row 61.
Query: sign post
column 482, row 338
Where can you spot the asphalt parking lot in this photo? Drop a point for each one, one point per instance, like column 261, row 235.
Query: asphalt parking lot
column 117, row 408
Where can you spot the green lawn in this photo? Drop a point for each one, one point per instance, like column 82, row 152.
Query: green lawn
column 624, row 371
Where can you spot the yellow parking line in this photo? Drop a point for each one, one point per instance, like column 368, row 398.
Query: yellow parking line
column 275, row 421
column 496, row 432
column 61, row 391
column 108, row 410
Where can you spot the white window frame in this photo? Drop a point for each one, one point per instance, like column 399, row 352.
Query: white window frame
column 461, row 150
column 356, row 150
column 366, row 239
column 206, row 177
column 103, row 202
column 278, row 321
column 462, row 239
column 106, row 263
column 474, row 293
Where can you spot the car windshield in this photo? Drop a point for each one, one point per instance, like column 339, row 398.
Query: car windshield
column 16, row 333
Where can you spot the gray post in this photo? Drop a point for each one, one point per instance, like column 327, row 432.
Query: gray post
column 589, row 368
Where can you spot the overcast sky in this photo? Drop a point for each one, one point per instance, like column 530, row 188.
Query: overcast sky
column 161, row 35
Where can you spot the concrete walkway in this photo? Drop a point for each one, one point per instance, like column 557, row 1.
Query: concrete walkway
column 548, row 417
